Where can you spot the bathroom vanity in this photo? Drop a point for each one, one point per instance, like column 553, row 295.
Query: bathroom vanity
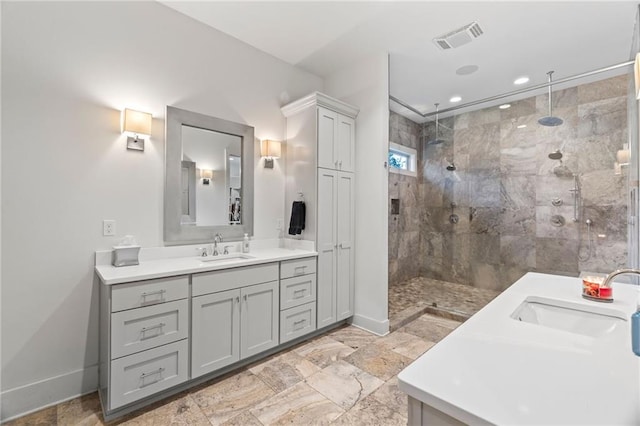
column 537, row 354
column 174, row 321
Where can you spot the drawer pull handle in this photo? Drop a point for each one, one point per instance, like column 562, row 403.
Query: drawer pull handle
column 153, row 327
column 153, row 293
column 245, row 297
column 299, row 269
column 152, row 373
column 299, row 322
column 298, row 294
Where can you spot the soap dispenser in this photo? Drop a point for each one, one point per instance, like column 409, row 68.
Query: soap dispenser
column 635, row 331
column 245, row 243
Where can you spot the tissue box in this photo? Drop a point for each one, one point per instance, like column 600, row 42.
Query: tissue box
column 125, row 255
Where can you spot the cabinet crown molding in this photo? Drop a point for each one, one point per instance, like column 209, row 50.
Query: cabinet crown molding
column 320, row 99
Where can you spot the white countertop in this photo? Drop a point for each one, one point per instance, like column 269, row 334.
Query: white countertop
column 157, row 264
column 495, row 369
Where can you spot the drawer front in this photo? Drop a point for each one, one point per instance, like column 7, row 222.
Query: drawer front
column 229, row 279
column 140, row 375
column 136, row 330
column 297, row 291
column 298, row 321
column 151, row 292
column 297, row 267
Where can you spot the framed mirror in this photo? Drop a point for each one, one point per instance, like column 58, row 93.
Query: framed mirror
column 209, row 178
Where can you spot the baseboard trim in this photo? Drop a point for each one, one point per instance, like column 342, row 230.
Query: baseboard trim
column 32, row 397
column 374, row 326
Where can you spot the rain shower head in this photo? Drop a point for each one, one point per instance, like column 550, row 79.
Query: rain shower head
column 550, row 120
column 556, row 155
column 436, row 140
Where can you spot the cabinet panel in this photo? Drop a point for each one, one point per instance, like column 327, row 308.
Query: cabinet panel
column 298, row 321
column 227, row 279
column 259, row 318
column 136, row 330
column 327, row 138
column 145, row 373
column 345, row 254
column 326, row 274
column 346, row 143
column 151, row 292
column 215, row 331
column 297, row 291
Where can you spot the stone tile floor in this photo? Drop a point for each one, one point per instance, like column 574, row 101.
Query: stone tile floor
column 412, row 298
column 344, row 377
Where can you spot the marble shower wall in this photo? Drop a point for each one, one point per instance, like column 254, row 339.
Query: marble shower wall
column 404, row 227
column 503, row 186
column 502, row 190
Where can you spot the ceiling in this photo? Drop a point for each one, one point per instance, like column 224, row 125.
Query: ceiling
column 520, row 38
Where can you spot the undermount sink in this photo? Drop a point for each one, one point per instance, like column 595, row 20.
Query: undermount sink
column 594, row 321
column 226, row 257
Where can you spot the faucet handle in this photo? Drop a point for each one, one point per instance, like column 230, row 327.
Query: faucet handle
column 202, row 251
column 226, row 250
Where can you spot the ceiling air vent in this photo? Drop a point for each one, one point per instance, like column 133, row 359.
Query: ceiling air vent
column 459, row 37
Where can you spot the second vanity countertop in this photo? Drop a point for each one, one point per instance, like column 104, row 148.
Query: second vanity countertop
column 161, row 266
column 494, row 369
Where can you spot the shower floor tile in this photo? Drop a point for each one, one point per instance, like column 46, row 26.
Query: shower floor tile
column 410, row 299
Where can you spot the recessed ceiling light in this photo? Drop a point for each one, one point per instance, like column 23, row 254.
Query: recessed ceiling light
column 455, row 99
column 521, row 80
column 505, row 106
column 522, row 126
column 467, row 69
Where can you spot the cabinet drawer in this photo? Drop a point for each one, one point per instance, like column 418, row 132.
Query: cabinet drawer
column 152, row 292
column 297, row 291
column 136, row 330
column 229, row 279
column 294, row 268
column 139, row 375
column 298, row 321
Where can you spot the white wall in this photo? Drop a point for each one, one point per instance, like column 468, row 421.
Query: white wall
column 67, row 71
column 365, row 84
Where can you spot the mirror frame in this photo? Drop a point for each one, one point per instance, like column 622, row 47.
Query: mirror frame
column 174, row 232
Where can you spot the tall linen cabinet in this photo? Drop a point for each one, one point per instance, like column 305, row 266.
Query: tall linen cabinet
column 320, row 170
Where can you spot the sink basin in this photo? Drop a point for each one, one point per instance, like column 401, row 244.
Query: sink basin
column 226, row 257
column 594, row 321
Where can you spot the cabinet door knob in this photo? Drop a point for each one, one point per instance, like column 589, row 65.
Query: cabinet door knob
column 245, row 297
column 237, row 299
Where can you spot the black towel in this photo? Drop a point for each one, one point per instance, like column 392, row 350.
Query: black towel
column 298, row 214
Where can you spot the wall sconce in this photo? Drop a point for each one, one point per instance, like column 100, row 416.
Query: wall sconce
column 136, row 124
column 623, row 157
column 270, row 150
column 206, row 176
column 636, row 74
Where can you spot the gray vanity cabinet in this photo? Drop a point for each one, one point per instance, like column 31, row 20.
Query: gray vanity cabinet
column 234, row 316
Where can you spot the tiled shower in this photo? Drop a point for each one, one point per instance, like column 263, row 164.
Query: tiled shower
column 514, row 204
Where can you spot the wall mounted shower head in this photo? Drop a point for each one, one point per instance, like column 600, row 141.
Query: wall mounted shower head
column 557, row 154
column 451, row 167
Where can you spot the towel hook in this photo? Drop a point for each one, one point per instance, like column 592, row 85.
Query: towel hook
column 300, row 196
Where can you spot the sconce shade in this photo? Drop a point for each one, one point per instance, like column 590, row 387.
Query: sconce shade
column 636, row 73
column 206, row 174
column 270, row 149
column 137, row 122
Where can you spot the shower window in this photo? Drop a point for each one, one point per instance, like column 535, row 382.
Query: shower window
column 402, row 159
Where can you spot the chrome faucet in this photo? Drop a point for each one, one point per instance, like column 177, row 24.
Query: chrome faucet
column 611, row 276
column 216, row 239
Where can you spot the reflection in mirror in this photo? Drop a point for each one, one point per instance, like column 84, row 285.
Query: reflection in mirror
column 209, row 178
column 210, row 151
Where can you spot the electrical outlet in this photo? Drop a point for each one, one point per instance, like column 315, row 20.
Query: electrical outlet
column 279, row 224
column 108, row 227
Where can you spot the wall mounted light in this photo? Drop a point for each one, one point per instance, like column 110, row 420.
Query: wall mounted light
column 136, row 124
column 269, row 150
column 206, row 176
column 636, row 74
